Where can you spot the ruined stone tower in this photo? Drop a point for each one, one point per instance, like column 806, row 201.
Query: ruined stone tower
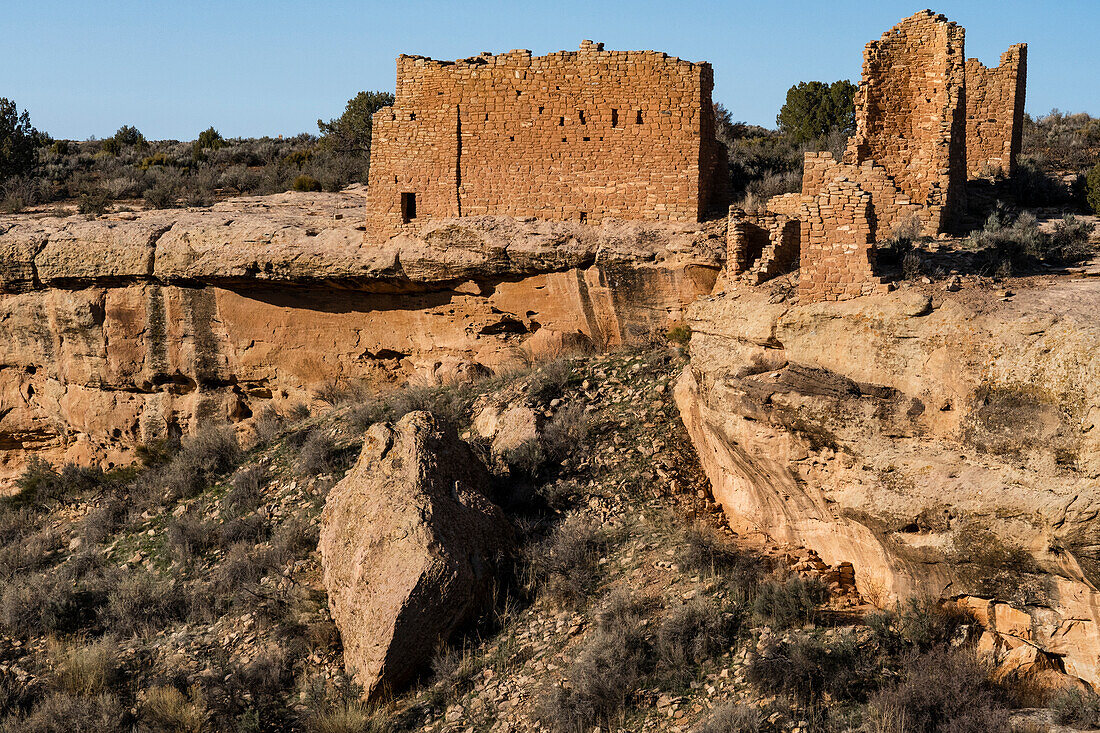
column 581, row 136
column 926, row 118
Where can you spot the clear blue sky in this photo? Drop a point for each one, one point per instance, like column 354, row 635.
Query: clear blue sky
column 253, row 68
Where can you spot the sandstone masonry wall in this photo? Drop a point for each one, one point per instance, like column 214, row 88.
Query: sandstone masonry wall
column 911, row 114
column 925, row 117
column 837, row 258
column 995, row 113
column 582, row 136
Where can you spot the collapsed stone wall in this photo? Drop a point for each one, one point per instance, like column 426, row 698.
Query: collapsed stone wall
column 837, row 259
column 995, row 113
column 911, row 113
column 584, row 136
column 922, row 114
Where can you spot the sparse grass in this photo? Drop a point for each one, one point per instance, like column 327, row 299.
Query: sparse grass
column 85, row 669
column 166, row 708
column 566, row 563
column 790, row 602
column 348, row 717
column 732, row 718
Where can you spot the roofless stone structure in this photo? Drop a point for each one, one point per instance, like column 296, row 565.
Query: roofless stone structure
column 925, row 118
column 582, row 136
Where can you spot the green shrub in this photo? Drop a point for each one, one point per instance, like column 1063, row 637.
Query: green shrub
column 942, row 690
column 1076, row 708
column 94, row 201
column 306, row 183
column 814, row 109
column 787, row 603
column 680, row 334
column 208, row 139
column 18, row 141
column 1092, row 188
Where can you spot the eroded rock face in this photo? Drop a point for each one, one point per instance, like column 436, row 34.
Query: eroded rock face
column 117, row 331
column 410, row 547
column 944, row 447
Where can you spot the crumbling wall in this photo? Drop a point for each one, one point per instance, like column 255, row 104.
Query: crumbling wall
column 837, row 258
column 583, row 136
column 924, row 118
column 760, row 246
column 911, row 115
column 995, row 113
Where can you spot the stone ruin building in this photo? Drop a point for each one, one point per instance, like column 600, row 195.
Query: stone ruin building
column 926, row 120
column 594, row 134
column 579, row 136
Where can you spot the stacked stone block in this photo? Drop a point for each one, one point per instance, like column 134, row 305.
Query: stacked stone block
column 911, row 114
column 761, row 246
column 837, row 258
column 578, row 136
column 924, row 118
column 995, row 113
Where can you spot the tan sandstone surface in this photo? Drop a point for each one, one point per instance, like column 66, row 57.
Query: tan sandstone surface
column 117, row 331
column 943, row 443
column 410, row 547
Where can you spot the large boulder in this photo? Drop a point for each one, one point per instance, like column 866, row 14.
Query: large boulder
column 410, row 547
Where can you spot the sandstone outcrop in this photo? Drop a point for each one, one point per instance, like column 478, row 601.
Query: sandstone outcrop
column 943, row 445
column 118, row 331
column 409, row 546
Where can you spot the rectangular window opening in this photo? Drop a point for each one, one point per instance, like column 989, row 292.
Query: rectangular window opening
column 638, row 120
column 408, row 207
column 587, row 139
column 580, row 116
column 561, row 122
column 541, row 110
column 614, row 118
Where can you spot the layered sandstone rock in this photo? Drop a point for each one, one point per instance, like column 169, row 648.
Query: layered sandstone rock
column 944, row 446
column 118, row 331
column 410, row 547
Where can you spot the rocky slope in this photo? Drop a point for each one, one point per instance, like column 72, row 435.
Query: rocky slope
column 945, row 443
column 120, row 330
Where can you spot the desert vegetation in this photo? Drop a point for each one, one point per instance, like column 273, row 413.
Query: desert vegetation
column 126, row 169
column 184, row 593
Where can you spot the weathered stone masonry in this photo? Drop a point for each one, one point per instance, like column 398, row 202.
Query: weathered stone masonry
column 582, row 136
column 925, row 118
column 995, row 113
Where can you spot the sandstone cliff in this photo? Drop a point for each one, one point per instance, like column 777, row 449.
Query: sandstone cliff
column 117, row 331
column 944, row 445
